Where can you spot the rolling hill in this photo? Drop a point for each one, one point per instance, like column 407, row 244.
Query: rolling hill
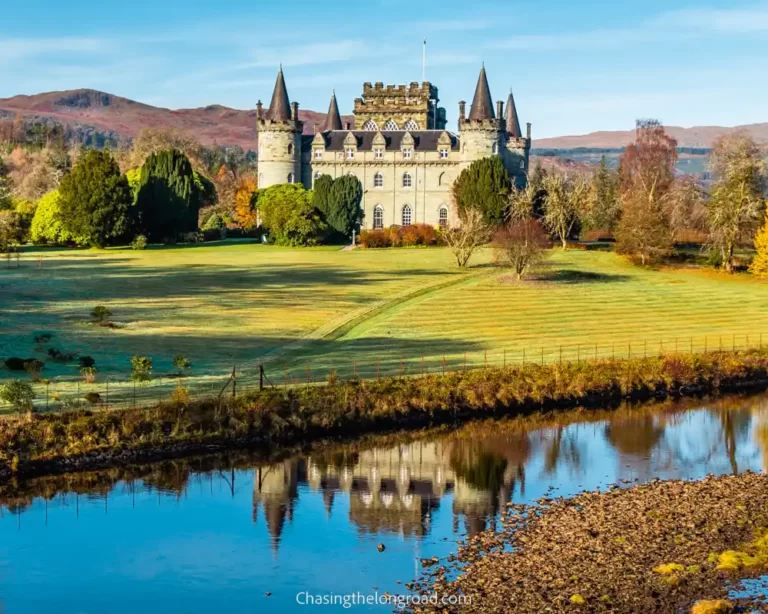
column 87, row 110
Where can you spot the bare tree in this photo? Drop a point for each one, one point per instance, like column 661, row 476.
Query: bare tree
column 566, row 200
column 472, row 233
column 520, row 245
column 522, row 202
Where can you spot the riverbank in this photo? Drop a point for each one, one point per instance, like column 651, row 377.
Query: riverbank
column 663, row 547
column 81, row 440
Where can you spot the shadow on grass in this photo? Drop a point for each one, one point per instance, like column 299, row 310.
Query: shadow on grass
column 574, row 276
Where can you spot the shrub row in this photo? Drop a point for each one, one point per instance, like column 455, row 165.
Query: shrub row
column 401, row 236
column 285, row 416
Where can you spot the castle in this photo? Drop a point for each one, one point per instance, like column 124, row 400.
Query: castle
column 398, row 148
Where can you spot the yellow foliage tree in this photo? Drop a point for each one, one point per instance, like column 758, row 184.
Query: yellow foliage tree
column 246, row 214
column 759, row 265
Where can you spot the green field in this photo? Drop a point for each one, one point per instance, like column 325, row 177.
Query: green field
column 305, row 311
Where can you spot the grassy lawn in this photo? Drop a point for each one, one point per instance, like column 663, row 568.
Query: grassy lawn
column 240, row 303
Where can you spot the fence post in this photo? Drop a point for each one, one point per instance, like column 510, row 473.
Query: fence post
column 107, row 402
column 465, row 361
column 578, row 353
column 561, row 354
column 523, row 356
column 645, row 349
column 234, row 381
column 261, row 377
column 422, row 366
column 629, row 350
column 309, row 375
column 505, row 358
column 595, row 351
column 542, row 356
column 734, row 342
column 443, row 364
column 705, row 344
column 378, row 360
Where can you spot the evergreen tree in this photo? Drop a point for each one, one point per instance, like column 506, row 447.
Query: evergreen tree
column 485, row 186
column 345, row 214
column 95, row 199
column 603, row 208
column 168, row 198
column 6, row 202
column 321, row 194
column 759, row 265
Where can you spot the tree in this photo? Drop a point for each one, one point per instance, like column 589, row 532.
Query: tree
column 246, row 213
column 48, row 225
column 564, row 204
column 737, row 202
column 484, row 185
column 522, row 203
column 472, row 233
column 686, row 207
column 759, row 265
column 141, row 369
column 168, row 199
column 11, row 232
column 345, row 215
column 288, row 214
column 18, row 394
column 6, row 187
column 95, row 199
column 603, row 208
column 646, row 172
column 521, row 245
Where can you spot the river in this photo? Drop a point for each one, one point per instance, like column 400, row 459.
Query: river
column 234, row 535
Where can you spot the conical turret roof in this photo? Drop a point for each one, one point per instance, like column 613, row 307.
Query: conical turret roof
column 280, row 107
column 511, row 119
column 482, row 104
column 333, row 118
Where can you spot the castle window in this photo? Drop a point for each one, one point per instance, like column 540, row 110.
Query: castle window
column 318, row 154
column 407, row 217
column 522, row 164
column 370, row 126
column 378, row 217
column 378, row 180
column 440, row 178
column 290, row 148
column 411, row 125
column 378, row 153
column 495, row 148
column 443, row 154
column 318, row 174
column 390, row 125
column 407, row 180
column 407, row 154
column 350, row 153
column 442, row 216
column 290, row 177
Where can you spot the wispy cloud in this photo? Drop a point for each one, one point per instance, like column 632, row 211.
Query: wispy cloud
column 735, row 21
column 18, row 48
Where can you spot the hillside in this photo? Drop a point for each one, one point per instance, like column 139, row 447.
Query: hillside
column 698, row 136
column 84, row 111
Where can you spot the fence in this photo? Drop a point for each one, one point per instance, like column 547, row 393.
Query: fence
column 110, row 391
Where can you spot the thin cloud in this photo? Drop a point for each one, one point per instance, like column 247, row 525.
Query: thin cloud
column 18, row 48
column 734, row 21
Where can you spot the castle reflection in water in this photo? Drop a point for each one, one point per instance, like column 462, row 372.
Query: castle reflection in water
column 397, row 489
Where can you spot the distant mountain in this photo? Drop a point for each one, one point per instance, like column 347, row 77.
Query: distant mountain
column 698, row 136
column 86, row 111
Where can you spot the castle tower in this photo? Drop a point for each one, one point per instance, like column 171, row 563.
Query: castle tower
column 279, row 134
column 517, row 147
column 481, row 132
column 333, row 118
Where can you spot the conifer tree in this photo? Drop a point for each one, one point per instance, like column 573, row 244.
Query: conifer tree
column 345, row 214
column 603, row 207
column 321, row 194
column 168, row 198
column 484, row 185
column 94, row 200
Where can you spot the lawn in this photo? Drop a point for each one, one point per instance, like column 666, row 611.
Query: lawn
column 312, row 310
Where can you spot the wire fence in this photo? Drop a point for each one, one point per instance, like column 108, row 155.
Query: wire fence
column 113, row 392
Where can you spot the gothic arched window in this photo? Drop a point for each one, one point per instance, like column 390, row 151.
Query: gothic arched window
column 407, row 217
column 290, row 177
column 411, row 125
column 378, row 180
column 290, row 148
column 495, row 147
column 407, row 180
column 442, row 216
column 370, row 126
column 378, row 217
column 390, row 125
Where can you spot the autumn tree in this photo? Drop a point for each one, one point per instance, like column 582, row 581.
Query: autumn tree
column 246, row 212
column 523, row 203
column 564, row 204
column 470, row 235
column 94, row 200
column 484, row 185
column 646, row 172
column 603, row 208
column 759, row 264
column 737, row 202
column 520, row 245
column 6, row 187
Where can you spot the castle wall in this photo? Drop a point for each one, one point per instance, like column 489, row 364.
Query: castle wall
column 399, row 103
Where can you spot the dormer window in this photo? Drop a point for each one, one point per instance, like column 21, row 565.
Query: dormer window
column 443, row 154
column 407, row 154
column 378, row 153
column 318, row 154
column 495, row 147
column 349, row 153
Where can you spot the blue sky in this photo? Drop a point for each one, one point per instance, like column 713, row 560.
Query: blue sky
column 574, row 67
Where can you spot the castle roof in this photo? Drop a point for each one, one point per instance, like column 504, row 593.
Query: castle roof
column 333, row 119
column 511, row 119
column 423, row 140
column 482, row 104
column 280, row 107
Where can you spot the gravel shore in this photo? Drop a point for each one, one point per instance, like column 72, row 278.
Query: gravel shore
column 661, row 547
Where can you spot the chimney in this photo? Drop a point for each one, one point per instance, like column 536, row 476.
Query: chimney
column 499, row 109
column 294, row 111
column 314, row 127
column 462, row 110
column 258, row 109
column 528, row 130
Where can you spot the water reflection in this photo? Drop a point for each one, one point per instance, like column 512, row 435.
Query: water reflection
column 311, row 518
